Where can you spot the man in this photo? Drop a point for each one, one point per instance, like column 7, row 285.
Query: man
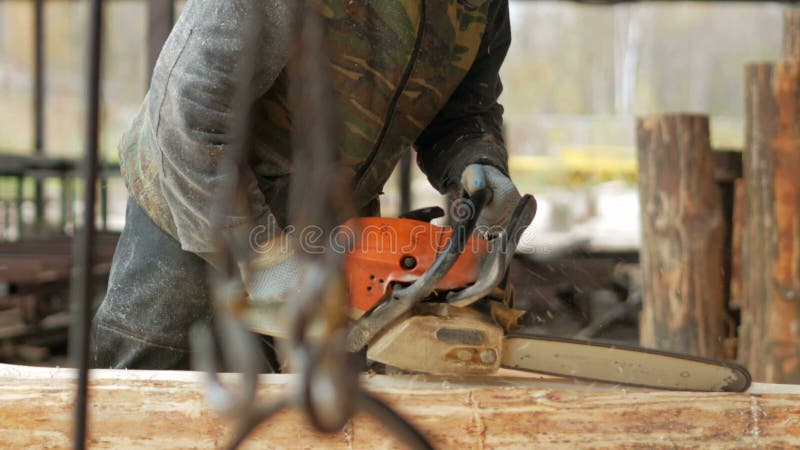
column 420, row 73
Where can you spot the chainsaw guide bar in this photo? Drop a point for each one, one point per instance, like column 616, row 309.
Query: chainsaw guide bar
column 612, row 363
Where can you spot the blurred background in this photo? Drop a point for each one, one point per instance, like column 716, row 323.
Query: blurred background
column 575, row 79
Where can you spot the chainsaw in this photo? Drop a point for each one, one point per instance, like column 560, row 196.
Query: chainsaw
column 433, row 299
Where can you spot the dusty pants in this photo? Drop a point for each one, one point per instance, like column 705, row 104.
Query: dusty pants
column 156, row 291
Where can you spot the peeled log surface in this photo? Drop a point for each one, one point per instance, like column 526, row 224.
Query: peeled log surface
column 166, row 410
column 769, row 342
column 684, row 237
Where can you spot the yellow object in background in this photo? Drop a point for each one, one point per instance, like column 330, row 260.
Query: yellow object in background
column 576, row 166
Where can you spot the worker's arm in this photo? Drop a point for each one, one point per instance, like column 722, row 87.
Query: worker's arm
column 468, row 130
column 221, row 56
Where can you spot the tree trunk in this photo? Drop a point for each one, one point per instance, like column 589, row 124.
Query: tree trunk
column 166, row 410
column 770, row 343
column 683, row 248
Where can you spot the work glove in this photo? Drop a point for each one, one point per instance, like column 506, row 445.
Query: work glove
column 504, row 196
column 275, row 277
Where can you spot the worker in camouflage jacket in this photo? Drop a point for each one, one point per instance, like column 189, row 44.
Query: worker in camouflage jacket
column 405, row 73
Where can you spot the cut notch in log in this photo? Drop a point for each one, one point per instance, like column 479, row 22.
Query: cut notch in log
column 769, row 342
column 684, row 231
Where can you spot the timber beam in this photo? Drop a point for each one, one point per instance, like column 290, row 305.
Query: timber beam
column 164, row 410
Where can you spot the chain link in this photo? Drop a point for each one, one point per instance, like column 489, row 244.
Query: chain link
column 328, row 393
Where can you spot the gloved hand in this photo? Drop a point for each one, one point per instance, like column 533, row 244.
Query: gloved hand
column 505, row 196
column 275, row 277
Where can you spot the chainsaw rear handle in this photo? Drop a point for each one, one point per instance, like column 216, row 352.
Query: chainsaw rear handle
column 402, row 299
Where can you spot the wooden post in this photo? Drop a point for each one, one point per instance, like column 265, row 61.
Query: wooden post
column 791, row 32
column 684, row 237
column 770, row 340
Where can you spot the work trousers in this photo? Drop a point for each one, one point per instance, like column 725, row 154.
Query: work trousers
column 156, row 291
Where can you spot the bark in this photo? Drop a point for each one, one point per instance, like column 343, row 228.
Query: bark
column 770, row 342
column 682, row 253
column 166, row 410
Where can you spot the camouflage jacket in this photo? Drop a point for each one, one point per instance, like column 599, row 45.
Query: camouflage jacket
column 420, row 73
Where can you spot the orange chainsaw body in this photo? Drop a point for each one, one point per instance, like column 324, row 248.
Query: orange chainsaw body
column 395, row 250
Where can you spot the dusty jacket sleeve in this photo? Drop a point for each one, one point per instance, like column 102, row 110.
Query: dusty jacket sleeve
column 217, row 50
column 469, row 128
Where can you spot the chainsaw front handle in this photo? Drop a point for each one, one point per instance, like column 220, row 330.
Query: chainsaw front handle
column 495, row 263
column 401, row 300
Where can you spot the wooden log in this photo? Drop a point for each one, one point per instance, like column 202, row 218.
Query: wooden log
column 683, row 248
column 770, row 344
column 166, row 410
column 791, row 32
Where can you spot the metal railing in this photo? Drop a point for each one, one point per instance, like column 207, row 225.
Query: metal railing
column 37, row 167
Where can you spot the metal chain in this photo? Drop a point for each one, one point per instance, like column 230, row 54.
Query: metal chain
column 328, row 393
